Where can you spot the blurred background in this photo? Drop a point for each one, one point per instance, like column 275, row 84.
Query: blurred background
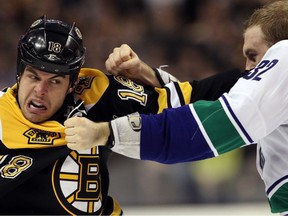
column 196, row 38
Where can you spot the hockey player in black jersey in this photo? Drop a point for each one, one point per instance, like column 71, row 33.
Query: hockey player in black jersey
column 38, row 173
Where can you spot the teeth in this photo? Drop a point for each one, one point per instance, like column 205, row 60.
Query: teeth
column 37, row 105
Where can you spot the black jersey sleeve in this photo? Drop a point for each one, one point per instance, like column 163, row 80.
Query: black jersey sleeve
column 115, row 96
column 213, row 87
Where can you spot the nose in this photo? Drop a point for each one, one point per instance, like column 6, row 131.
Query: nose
column 41, row 88
column 249, row 65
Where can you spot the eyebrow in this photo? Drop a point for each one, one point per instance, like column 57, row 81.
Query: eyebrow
column 246, row 52
column 34, row 71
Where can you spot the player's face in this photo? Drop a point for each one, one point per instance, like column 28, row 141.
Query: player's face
column 41, row 94
column 254, row 46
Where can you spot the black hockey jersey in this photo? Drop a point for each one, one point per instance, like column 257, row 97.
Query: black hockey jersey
column 40, row 175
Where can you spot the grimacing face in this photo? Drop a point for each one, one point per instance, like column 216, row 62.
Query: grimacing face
column 41, row 94
column 254, row 47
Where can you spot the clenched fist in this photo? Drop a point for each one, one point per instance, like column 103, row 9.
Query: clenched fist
column 123, row 61
column 82, row 133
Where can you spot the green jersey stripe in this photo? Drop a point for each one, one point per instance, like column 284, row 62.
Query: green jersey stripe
column 223, row 134
column 279, row 201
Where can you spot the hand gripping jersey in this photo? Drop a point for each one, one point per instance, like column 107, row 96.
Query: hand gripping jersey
column 40, row 175
column 255, row 109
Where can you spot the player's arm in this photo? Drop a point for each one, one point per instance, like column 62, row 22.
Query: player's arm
column 125, row 129
column 125, row 62
column 254, row 107
column 174, row 94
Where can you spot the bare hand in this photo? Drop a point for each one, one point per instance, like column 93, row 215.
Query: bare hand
column 123, row 61
column 82, row 133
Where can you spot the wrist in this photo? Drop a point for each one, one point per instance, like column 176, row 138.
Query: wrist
column 148, row 76
column 111, row 140
column 126, row 133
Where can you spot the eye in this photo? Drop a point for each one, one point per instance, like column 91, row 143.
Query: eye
column 33, row 77
column 55, row 81
column 252, row 56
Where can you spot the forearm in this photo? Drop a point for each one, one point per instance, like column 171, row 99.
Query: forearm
column 146, row 77
column 174, row 136
column 126, row 140
column 155, row 77
column 171, row 137
column 192, row 132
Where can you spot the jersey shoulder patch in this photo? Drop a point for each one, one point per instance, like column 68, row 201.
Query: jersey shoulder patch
column 92, row 85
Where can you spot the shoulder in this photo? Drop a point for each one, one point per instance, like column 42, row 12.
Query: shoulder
column 279, row 46
column 92, row 72
column 9, row 91
column 89, row 76
column 92, row 84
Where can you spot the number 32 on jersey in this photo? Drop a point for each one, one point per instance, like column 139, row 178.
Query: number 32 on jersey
column 262, row 67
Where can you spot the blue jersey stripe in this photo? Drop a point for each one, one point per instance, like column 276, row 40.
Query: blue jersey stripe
column 275, row 184
column 236, row 119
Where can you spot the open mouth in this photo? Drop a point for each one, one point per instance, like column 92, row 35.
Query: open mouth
column 36, row 105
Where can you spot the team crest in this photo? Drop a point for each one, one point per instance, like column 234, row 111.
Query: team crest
column 76, row 182
column 42, row 137
column 84, row 83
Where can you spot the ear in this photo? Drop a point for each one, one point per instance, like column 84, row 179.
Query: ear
column 18, row 78
column 72, row 87
column 70, row 90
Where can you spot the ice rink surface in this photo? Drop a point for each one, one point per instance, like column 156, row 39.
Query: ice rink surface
column 259, row 209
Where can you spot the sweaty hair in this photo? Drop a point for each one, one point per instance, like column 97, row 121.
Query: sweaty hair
column 273, row 21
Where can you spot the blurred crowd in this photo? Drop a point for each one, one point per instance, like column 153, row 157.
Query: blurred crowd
column 196, row 38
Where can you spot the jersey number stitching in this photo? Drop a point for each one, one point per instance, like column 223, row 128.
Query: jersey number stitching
column 16, row 166
column 261, row 68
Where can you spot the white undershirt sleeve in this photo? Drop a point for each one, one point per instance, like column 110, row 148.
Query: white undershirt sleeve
column 126, row 140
